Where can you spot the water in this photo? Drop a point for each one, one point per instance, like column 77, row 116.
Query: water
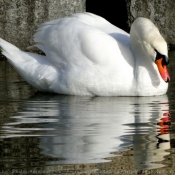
column 47, row 133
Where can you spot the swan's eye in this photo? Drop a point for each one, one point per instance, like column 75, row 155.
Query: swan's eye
column 165, row 59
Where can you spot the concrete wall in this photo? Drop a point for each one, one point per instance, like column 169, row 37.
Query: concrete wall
column 20, row 18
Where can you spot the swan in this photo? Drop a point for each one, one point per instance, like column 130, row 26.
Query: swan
column 88, row 56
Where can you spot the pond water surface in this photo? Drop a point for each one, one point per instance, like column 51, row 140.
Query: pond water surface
column 56, row 134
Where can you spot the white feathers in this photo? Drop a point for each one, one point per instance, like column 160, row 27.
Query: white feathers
column 85, row 55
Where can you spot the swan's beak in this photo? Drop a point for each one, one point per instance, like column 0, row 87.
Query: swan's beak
column 163, row 70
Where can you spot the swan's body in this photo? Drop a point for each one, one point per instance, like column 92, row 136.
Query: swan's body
column 87, row 55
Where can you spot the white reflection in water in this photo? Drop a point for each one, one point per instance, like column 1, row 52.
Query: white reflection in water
column 87, row 130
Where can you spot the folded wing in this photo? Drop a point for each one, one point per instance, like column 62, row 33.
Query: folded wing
column 76, row 41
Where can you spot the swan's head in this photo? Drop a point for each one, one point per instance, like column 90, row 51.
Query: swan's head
column 152, row 44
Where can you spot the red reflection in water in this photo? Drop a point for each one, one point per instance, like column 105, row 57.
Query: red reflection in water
column 164, row 123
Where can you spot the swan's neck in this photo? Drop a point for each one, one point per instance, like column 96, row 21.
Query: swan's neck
column 146, row 74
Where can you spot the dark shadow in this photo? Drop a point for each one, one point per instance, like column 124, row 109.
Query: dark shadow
column 114, row 11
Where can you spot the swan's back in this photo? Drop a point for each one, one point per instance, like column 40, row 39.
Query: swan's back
column 80, row 39
column 88, row 51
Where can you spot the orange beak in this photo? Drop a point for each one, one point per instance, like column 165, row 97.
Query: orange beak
column 163, row 70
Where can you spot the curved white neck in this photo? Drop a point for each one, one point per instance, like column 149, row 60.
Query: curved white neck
column 146, row 73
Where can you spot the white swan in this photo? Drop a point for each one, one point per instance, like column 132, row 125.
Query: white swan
column 87, row 55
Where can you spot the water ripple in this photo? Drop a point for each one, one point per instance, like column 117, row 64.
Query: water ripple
column 91, row 130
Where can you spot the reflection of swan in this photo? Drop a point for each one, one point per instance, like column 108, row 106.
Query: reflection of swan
column 84, row 129
column 86, row 55
column 152, row 147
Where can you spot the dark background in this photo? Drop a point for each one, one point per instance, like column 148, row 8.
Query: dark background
column 113, row 10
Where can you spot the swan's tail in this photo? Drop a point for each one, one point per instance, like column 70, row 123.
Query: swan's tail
column 34, row 68
column 11, row 52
